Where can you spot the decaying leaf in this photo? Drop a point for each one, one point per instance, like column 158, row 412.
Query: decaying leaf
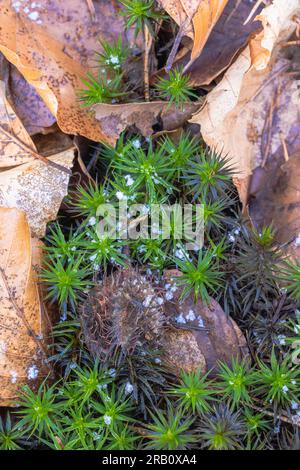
column 23, row 321
column 53, row 45
column 114, row 119
column 31, row 181
column 29, row 106
column 37, row 189
column 235, row 109
column 12, row 132
column 208, row 333
column 275, row 199
column 227, row 39
column 277, row 21
column 197, row 18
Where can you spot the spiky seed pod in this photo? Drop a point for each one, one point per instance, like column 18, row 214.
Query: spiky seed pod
column 124, row 311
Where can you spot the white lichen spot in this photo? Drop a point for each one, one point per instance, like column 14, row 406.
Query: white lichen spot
column 128, row 388
column 147, row 301
column 180, row 319
column 129, row 180
column 112, row 372
column 169, row 295
column 297, row 240
column 14, row 376
column 107, row 419
column 121, row 196
column 34, row 15
column 281, row 339
column 297, row 329
column 3, row 349
column 32, row 372
column 191, row 315
column 114, row 59
column 92, row 221
column 200, row 322
column 136, row 143
column 285, row 389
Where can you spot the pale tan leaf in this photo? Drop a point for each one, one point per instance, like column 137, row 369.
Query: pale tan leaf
column 236, row 108
column 198, row 17
column 37, row 189
column 277, row 24
column 53, row 46
column 114, row 119
column 204, row 20
column 22, row 319
column 11, row 153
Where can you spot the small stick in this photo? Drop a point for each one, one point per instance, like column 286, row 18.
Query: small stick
column 284, row 146
column 268, row 125
column 290, row 43
column 91, row 8
column 285, row 419
column 270, row 79
column 33, row 153
column 148, row 45
column 176, row 44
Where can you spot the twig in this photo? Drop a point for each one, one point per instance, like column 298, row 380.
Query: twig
column 284, row 146
column 285, row 419
column 176, row 44
column 91, row 8
column 290, row 43
column 268, row 126
column 273, row 107
column 36, row 155
column 270, row 79
column 148, row 45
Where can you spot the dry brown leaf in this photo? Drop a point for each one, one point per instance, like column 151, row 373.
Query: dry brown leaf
column 277, row 23
column 235, row 108
column 228, row 37
column 11, row 153
column 37, row 189
column 29, row 106
column 217, row 339
column 22, row 319
column 52, row 46
column 114, row 119
column 204, row 20
column 201, row 14
column 275, row 198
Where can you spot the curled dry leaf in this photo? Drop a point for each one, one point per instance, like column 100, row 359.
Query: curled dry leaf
column 276, row 19
column 37, row 189
column 228, row 37
column 29, row 106
column 197, row 18
column 12, row 132
column 33, row 183
column 227, row 119
column 206, row 333
column 52, row 45
column 114, row 119
column 23, row 321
